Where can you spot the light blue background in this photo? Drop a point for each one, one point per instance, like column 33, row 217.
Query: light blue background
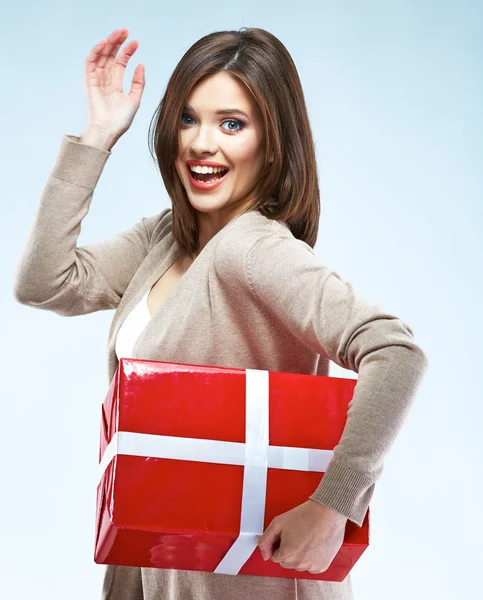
column 394, row 93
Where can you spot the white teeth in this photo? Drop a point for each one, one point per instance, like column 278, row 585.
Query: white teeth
column 199, row 169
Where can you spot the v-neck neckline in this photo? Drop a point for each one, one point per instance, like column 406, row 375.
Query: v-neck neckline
column 177, row 255
column 176, row 258
column 160, row 258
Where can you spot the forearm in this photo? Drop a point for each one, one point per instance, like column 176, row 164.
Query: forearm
column 388, row 381
column 49, row 257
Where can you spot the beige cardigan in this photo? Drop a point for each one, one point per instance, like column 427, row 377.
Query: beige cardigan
column 255, row 297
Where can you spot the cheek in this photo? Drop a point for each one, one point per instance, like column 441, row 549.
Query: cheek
column 179, row 168
column 249, row 152
column 183, row 142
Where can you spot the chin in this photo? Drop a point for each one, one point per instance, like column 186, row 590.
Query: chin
column 204, row 205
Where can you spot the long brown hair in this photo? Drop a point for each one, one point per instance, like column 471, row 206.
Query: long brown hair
column 287, row 188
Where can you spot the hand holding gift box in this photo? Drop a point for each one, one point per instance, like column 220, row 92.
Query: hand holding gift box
column 310, row 536
column 196, row 462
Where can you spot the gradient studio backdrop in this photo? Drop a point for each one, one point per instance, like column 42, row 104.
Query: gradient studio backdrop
column 394, row 93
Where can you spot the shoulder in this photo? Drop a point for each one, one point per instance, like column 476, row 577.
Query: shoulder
column 158, row 226
column 255, row 245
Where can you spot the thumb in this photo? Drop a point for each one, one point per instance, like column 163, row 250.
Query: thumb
column 268, row 539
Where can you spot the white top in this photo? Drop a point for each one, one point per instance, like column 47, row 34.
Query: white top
column 132, row 327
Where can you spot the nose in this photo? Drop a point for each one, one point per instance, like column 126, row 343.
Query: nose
column 203, row 141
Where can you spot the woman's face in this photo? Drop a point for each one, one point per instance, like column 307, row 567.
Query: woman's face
column 231, row 139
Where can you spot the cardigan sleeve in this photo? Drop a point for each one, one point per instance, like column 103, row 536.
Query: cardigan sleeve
column 53, row 273
column 327, row 314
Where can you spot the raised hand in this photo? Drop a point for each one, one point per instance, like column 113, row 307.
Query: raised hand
column 108, row 109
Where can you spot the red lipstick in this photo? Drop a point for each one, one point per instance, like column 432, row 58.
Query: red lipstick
column 204, row 186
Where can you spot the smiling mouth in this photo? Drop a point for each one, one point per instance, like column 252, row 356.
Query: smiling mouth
column 207, row 177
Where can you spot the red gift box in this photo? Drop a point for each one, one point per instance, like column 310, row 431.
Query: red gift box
column 196, row 461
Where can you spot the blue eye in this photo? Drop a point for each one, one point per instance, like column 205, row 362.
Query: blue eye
column 187, row 116
column 239, row 123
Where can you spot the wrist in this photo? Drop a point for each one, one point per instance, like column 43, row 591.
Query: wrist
column 327, row 510
column 98, row 137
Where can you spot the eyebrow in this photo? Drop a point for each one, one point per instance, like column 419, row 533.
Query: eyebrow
column 223, row 111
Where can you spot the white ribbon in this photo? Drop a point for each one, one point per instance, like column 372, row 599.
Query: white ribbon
column 255, row 474
column 255, row 454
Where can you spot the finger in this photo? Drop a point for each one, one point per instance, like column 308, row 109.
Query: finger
column 288, row 565
column 127, row 52
column 268, row 539
column 277, row 556
column 113, row 43
column 121, row 62
column 92, row 59
column 138, row 82
column 280, row 551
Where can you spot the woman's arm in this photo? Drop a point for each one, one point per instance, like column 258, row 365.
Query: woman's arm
column 327, row 315
column 53, row 273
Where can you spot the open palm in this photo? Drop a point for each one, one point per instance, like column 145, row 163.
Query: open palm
column 107, row 106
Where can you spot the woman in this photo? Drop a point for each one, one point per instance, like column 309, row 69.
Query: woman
column 227, row 277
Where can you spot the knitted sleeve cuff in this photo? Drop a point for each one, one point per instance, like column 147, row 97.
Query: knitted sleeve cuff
column 78, row 163
column 345, row 490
